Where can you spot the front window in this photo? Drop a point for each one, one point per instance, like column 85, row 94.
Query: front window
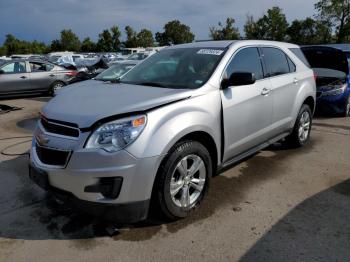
column 114, row 72
column 185, row 68
column 13, row 68
column 248, row 61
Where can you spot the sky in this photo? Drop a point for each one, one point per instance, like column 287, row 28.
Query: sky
column 44, row 19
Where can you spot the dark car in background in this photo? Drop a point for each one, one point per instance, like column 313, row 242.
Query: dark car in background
column 331, row 67
column 20, row 77
column 116, row 71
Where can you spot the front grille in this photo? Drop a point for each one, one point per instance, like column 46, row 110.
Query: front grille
column 52, row 157
column 59, row 128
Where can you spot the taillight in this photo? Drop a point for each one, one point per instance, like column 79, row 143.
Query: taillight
column 72, row 73
column 315, row 76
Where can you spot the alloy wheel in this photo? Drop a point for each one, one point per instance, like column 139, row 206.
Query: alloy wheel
column 188, row 181
column 57, row 87
column 304, row 126
column 347, row 108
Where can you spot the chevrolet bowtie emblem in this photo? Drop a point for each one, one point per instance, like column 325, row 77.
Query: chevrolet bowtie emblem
column 42, row 139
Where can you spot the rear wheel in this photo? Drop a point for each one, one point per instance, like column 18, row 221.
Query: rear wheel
column 302, row 128
column 183, row 179
column 55, row 87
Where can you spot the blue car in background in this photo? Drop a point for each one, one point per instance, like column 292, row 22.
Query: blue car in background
column 331, row 65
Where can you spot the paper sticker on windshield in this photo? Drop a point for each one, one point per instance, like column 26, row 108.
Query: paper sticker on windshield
column 210, row 52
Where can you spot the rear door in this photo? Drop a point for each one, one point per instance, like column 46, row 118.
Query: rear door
column 41, row 75
column 247, row 110
column 14, row 77
column 284, row 84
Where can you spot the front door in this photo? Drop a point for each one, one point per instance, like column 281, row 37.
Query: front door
column 14, row 78
column 247, row 110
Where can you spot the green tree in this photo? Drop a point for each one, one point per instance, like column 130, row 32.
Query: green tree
column 175, row 33
column 145, row 38
column 55, row 45
column 255, row 29
column 227, row 32
column 88, row 45
column 272, row 26
column 131, row 37
column 11, row 44
column 105, row 41
column 309, row 31
column 69, row 41
column 3, row 51
column 38, row 47
column 336, row 12
column 116, row 43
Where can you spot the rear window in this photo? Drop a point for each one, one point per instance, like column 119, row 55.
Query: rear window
column 298, row 53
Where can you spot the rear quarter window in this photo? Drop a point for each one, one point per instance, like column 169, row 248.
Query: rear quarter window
column 298, row 53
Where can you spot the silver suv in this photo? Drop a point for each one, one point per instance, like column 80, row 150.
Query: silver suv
column 157, row 135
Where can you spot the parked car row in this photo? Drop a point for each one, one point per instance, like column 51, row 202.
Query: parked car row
column 18, row 77
column 34, row 75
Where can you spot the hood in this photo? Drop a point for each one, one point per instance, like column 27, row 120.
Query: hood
column 87, row 102
column 326, row 57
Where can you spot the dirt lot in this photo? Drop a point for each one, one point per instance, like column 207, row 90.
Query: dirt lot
column 280, row 205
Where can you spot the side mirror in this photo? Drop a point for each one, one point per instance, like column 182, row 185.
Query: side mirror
column 239, row 79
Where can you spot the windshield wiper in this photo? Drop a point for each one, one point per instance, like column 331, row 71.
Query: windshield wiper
column 116, row 81
column 151, row 84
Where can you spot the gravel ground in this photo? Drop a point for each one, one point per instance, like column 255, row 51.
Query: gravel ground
column 279, row 205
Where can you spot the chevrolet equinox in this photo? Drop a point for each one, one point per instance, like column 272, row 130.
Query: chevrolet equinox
column 156, row 136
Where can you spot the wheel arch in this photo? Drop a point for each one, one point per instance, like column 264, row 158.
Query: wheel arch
column 310, row 102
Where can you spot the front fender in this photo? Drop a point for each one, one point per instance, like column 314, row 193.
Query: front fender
column 168, row 124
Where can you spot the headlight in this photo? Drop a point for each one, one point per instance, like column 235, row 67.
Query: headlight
column 336, row 91
column 116, row 135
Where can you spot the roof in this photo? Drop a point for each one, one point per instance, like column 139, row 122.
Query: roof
column 227, row 43
column 204, row 44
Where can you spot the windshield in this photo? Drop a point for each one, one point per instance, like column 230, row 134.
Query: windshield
column 185, row 68
column 114, row 72
column 137, row 56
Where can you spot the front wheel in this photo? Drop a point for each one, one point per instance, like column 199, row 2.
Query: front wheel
column 183, row 179
column 302, row 128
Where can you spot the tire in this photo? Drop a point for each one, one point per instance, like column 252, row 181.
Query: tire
column 191, row 187
column 55, row 87
column 347, row 107
column 301, row 135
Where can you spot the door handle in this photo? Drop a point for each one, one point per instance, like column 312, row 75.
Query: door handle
column 23, row 77
column 265, row 91
column 52, row 75
column 295, row 81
